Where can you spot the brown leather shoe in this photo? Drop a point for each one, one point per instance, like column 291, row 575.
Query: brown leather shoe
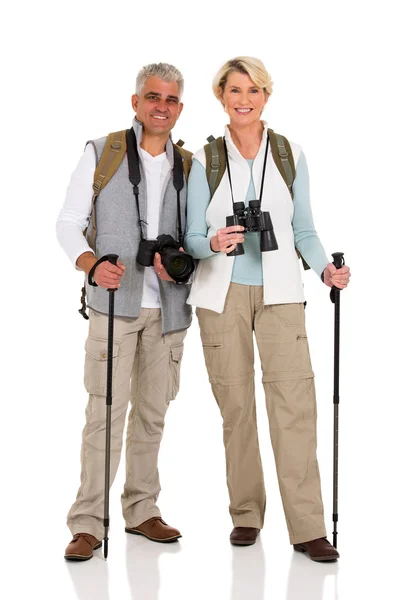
column 156, row 530
column 319, row 550
column 81, row 547
column 244, row 536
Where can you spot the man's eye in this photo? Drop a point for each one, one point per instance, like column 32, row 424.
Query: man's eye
column 172, row 101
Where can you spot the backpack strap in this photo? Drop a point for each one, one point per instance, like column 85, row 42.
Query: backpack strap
column 111, row 158
column 215, row 162
column 186, row 158
column 283, row 158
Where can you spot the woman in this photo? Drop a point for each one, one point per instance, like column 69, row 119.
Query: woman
column 261, row 292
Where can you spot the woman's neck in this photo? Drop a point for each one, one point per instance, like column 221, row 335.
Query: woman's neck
column 247, row 139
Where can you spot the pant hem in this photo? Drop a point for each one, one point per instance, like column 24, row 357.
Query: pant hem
column 307, row 535
column 155, row 512
column 247, row 522
column 95, row 531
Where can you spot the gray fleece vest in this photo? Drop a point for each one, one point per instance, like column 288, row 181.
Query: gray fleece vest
column 118, row 233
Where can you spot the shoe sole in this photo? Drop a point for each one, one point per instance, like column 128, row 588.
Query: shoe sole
column 239, row 543
column 165, row 541
column 80, row 557
column 299, row 548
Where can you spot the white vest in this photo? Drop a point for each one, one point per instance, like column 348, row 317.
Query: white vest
column 281, row 268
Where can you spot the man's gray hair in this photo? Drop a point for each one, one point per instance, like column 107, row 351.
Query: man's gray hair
column 163, row 71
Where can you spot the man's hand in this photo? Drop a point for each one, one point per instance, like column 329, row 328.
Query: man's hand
column 160, row 269
column 225, row 239
column 107, row 275
column 336, row 277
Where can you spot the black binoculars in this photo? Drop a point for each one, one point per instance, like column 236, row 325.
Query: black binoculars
column 179, row 265
column 253, row 219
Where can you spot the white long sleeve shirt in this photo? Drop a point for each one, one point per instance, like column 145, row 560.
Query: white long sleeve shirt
column 75, row 213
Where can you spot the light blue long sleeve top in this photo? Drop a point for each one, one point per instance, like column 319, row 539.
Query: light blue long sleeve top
column 247, row 268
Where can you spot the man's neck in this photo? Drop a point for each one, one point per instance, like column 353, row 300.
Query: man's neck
column 154, row 144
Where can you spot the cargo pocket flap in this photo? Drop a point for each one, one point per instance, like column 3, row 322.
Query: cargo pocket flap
column 98, row 349
column 176, row 352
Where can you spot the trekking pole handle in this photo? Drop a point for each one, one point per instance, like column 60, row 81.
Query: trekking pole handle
column 112, row 258
column 338, row 259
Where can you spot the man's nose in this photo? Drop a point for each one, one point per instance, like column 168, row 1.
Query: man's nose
column 162, row 105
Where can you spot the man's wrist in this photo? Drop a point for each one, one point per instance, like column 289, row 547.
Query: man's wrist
column 86, row 261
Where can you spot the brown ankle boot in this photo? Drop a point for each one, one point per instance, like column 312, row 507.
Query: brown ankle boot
column 319, row 550
column 244, row 536
column 156, row 530
column 81, row 547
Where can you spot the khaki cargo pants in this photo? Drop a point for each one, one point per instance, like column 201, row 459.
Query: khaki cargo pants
column 146, row 368
column 290, row 397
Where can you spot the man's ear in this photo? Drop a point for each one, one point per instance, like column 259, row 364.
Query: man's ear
column 180, row 109
column 135, row 99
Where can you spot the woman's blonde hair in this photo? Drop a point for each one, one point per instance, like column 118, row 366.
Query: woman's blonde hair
column 253, row 67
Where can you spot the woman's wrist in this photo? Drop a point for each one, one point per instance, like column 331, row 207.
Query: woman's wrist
column 213, row 242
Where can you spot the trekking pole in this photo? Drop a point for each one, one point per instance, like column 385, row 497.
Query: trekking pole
column 112, row 258
column 338, row 261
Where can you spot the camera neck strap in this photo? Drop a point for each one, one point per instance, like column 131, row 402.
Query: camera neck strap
column 135, row 178
column 263, row 172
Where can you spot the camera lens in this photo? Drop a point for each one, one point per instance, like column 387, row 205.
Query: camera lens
column 177, row 265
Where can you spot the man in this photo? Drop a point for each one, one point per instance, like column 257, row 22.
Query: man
column 151, row 314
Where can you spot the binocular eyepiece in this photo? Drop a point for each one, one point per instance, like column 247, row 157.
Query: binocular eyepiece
column 253, row 219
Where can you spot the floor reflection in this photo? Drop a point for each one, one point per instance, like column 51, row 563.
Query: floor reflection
column 306, row 578
column 142, row 566
column 248, row 572
column 90, row 578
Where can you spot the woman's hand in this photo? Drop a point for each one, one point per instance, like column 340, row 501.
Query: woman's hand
column 336, row 277
column 225, row 239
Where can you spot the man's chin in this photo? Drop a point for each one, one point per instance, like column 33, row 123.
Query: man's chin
column 162, row 129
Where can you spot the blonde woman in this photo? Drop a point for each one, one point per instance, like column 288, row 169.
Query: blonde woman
column 259, row 292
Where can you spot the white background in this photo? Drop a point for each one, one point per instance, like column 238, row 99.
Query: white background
column 68, row 73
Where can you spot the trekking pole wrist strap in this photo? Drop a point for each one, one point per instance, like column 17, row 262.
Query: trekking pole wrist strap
column 92, row 270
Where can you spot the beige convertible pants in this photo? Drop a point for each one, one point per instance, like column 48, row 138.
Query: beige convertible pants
column 146, row 369
column 290, row 397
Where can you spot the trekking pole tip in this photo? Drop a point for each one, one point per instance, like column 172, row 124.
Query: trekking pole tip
column 105, row 549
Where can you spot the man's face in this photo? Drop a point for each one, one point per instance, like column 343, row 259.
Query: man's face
column 157, row 106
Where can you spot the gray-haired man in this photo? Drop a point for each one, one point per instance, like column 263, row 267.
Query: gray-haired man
column 151, row 314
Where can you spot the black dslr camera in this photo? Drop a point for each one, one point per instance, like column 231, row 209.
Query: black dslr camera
column 253, row 219
column 178, row 265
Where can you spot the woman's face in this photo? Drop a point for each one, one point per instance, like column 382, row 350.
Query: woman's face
column 243, row 100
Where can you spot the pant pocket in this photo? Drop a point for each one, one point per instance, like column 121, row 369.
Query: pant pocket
column 175, row 359
column 95, row 377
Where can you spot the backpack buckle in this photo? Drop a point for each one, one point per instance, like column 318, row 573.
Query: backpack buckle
column 116, row 145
